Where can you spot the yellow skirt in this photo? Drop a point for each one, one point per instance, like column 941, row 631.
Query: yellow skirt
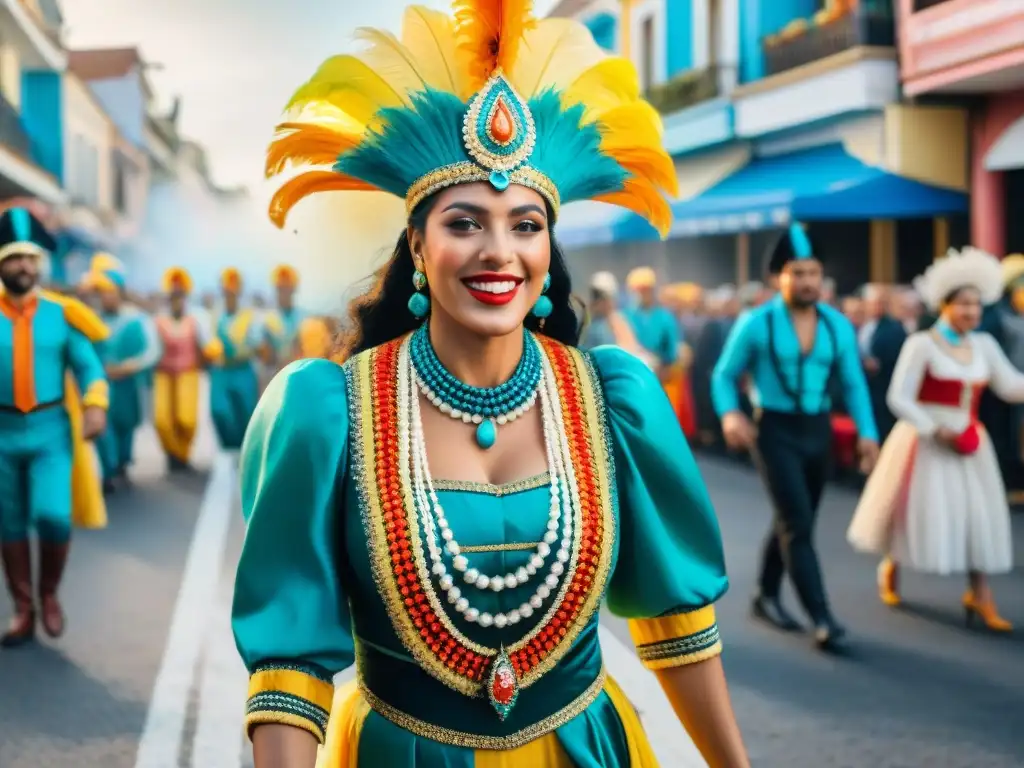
column 350, row 711
column 88, row 509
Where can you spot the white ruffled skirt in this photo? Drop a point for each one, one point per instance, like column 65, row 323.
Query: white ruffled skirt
column 935, row 510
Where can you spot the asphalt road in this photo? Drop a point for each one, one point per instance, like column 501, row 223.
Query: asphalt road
column 918, row 689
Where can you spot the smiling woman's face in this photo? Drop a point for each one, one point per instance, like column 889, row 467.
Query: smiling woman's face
column 485, row 254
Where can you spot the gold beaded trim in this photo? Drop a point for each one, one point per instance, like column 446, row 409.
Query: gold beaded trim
column 468, row 173
column 455, row 738
column 523, row 546
column 495, row 489
column 522, row 119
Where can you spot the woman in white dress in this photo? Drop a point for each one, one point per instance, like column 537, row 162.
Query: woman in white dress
column 935, row 501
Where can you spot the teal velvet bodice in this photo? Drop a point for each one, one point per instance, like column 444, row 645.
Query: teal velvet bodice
column 307, row 592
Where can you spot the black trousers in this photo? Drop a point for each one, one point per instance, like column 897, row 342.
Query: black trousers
column 792, row 456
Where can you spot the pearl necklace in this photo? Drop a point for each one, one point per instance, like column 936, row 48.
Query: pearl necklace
column 436, row 527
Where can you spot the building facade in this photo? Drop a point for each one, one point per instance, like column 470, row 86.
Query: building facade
column 972, row 52
column 781, row 111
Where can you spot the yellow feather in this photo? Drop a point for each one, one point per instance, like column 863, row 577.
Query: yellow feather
column 554, row 54
column 639, row 196
column 348, row 84
column 605, row 86
column 429, row 36
column 307, row 144
column 306, row 184
column 650, row 163
column 395, row 63
column 489, row 34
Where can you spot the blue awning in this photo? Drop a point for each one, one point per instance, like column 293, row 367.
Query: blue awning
column 820, row 184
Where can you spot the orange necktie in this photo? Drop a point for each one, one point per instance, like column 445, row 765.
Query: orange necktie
column 24, row 364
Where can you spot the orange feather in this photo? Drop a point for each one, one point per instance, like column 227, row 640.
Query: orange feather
column 642, row 197
column 306, row 184
column 489, row 33
column 306, row 144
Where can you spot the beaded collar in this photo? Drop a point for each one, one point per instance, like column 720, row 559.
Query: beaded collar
column 397, row 541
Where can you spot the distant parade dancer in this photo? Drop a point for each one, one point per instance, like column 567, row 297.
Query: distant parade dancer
column 281, row 324
column 42, row 336
column 234, row 383
column 176, row 383
column 129, row 355
column 792, row 347
column 936, row 502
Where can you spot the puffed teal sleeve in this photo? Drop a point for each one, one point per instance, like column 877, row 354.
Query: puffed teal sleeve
column 290, row 616
column 671, row 566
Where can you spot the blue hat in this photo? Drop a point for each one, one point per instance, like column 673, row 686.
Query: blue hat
column 23, row 233
column 793, row 245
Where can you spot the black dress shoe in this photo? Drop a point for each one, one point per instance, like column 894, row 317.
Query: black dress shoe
column 770, row 610
column 829, row 634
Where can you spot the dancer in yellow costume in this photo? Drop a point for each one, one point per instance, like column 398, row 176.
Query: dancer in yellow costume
column 469, row 604
column 176, row 382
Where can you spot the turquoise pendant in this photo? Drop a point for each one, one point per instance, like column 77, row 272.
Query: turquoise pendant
column 499, row 180
column 486, row 434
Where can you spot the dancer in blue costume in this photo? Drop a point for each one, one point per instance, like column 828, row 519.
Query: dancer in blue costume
column 448, row 508
column 655, row 327
column 42, row 337
column 129, row 356
column 234, row 384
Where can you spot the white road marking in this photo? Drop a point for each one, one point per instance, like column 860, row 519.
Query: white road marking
column 219, row 738
column 165, row 721
column 672, row 744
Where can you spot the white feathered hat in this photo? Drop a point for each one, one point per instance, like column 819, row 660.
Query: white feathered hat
column 970, row 267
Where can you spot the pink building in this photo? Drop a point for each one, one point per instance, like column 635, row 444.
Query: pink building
column 975, row 49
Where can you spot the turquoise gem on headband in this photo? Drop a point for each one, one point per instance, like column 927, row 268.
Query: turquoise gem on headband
column 499, row 180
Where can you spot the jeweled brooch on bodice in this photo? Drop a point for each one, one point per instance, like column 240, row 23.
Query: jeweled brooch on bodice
column 498, row 130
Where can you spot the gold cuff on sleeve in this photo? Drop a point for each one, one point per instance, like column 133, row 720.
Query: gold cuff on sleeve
column 676, row 640
column 289, row 696
column 97, row 395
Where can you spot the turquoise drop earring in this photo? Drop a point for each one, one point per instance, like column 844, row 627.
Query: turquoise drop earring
column 419, row 303
column 543, row 307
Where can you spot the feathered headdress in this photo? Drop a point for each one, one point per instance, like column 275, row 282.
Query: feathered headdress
column 970, row 267
column 22, row 232
column 488, row 93
column 177, row 280
column 284, row 276
column 231, row 280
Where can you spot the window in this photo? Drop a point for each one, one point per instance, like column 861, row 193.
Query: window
column 647, row 52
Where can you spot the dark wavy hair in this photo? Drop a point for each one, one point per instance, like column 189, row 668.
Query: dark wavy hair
column 382, row 312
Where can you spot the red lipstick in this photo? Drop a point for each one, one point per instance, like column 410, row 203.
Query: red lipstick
column 493, row 288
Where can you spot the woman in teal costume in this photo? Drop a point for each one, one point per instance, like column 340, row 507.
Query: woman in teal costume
column 470, row 604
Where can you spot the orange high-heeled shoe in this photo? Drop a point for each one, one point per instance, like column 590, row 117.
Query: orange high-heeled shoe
column 888, row 583
column 987, row 612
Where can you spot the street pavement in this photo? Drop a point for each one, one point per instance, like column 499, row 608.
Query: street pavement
column 147, row 676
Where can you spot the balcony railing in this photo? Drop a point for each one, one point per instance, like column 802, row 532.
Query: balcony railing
column 787, row 51
column 12, row 132
column 689, row 88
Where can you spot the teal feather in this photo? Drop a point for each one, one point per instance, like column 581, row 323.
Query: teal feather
column 414, row 141
column 800, row 242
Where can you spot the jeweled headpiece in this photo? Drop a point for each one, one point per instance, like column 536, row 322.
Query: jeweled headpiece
column 486, row 94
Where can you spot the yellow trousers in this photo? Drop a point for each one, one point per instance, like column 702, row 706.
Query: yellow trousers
column 176, row 411
column 88, row 509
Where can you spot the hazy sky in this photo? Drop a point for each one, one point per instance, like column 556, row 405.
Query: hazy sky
column 234, row 62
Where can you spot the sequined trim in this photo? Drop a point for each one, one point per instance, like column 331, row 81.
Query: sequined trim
column 492, row 489
column 474, row 741
column 680, row 651
column 393, row 533
column 283, row 708
column 467, row 173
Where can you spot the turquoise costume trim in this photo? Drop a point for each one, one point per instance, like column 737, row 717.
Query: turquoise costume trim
column 945, row 330
column 37, row 446
column 305, row 592
column 799, row 242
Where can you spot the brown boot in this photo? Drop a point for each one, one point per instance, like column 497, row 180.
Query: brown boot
column 52, row 559
column 17, row 560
